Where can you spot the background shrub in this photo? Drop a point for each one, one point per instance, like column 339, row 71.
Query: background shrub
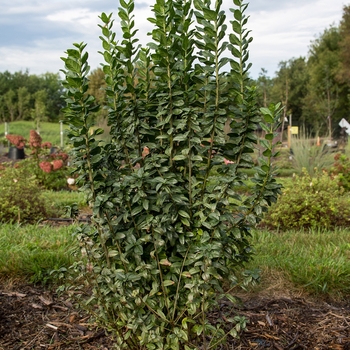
column 22, row 199
column 310, row 202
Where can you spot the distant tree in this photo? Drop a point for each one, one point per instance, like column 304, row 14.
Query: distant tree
column 10, row 105
column 322, row 99
column 281, row 89
column 299, row 78
column 51, row 83
column 23, row 85
column 23, row 107
column 97, row 87
column 343, row 75
column 264, row 84
column 39, row 110
column 2, row 109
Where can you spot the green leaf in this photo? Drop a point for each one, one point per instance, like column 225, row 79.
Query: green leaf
column 167, row 283
column 237, row 28
column 72, row 65
column 184, row 214
column 238, row 15
column 267, row 153
column 209, row 15
column 180, row 157
column 104, row 18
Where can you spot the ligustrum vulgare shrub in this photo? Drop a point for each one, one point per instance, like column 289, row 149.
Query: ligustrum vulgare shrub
column 167, row 235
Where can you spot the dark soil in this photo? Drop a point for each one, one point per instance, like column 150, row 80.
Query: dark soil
column 37, row 318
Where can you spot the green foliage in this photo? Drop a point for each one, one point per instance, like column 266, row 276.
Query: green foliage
column 165, row 238
column 21, row 198
column 54, row 180
column 18, row 96
column 310, row 202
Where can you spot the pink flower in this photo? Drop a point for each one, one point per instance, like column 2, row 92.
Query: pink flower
column 34, row 139
column 46, row 145
column 17, row 140
column 46, row 166
column 57, row 164
column 63, row 156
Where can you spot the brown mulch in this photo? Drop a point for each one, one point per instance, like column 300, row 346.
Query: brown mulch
column 37, row 318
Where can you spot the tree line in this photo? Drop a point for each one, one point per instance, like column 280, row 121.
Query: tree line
column 25, row 96
column 315, row 90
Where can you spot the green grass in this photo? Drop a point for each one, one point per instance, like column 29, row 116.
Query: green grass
column 31, row 252
column 48, row 131
column 60, row 199
column 313, row 261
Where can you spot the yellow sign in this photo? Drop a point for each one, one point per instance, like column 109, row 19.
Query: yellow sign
column 294, row 130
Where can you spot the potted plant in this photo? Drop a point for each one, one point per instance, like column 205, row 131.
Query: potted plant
column 16, row 151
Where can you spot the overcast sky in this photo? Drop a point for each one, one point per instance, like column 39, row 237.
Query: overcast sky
column 35, row 33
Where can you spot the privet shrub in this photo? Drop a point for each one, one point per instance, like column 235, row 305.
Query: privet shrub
column 310, row 202
column 22, row 199
column 164, row 239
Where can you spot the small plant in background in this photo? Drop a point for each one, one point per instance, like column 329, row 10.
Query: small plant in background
column 21, row 199
column 164, row 242
column 307, row 155
column 310, row 202
column 49, row 168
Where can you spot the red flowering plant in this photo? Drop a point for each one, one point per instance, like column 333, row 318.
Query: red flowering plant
column 51, row 166
column 341, row 170
column 49, row 169
column 16, row 140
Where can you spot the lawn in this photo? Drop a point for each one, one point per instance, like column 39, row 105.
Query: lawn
column 50, row 132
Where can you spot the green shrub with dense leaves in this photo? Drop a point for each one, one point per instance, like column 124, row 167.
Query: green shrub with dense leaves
column 310, row 202
column 22, row 199
column 164, row 241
